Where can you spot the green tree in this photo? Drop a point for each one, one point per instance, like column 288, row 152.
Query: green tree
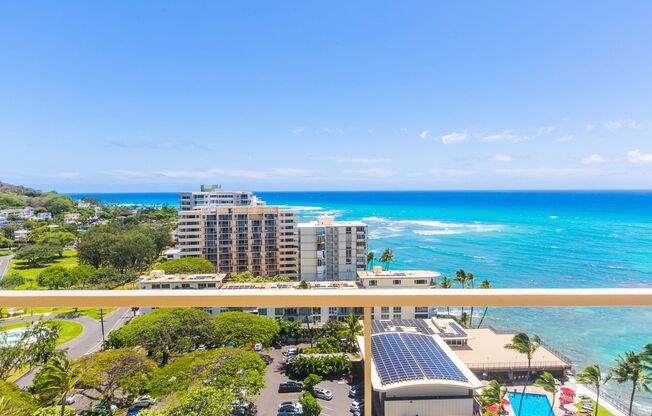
column 527, row 346
column 15, row 402
column 311, row 381
column 111, row 374
column 55, row 277
column 36, row 254
column 6, row 242
column 493, row 395
column 353, row 328
column 34, row 346
column 55, row 381
column 387, row 257
column 309, row 404
column 631, row 368
column 203, row 401
column 462, row 279
column 186, row 265
column 327, row 366
column 81, row 275
column 12, row 280
column 222, row 368
column 547, row 382
column 55, row 411
column 446, row 284
column 289, row 329
column 484, row 285
column 242, row 328
column 371, row 258
column 592, row 375
column 108, row 278
column 165, row 331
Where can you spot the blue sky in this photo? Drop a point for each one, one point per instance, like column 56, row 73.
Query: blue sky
column 156, row 96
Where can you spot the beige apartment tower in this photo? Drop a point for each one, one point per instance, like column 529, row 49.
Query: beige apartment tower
column 262, row 240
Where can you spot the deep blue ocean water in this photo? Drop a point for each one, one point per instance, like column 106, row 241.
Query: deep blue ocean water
column 513, row 239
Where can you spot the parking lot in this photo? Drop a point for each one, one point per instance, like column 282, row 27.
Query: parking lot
column 269, row 398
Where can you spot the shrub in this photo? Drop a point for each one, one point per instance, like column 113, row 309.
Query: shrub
column 310, row 405
column 186, row 265
column 12, row 280
column 242, row 328
column 327, row 366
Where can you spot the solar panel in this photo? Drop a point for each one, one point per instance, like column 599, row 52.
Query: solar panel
column 403, row 356
column 458, row 328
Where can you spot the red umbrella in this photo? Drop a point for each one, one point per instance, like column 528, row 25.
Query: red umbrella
column 565, row 399
column 505, row 400
column 492, row 409
column 567, row 390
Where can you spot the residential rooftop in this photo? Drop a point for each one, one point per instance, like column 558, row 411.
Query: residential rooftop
column 378, row 273
column 325, row 221
column 159, row 276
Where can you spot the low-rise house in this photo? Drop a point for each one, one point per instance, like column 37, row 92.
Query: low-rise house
column 44, row 215
column 20, row 235
column 27, row 212
column 4, row 222
column 71, row 218
column 83, row 204
column 172, row 254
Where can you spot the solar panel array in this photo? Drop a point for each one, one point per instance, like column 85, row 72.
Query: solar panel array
column 403, row 357
column 458, row 328
column 393, row 325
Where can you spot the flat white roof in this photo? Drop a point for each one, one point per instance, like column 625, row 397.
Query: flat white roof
column 397, row 274
column 183, row 278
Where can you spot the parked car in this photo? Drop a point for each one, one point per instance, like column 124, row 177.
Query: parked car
column 281, row 413
column 290, row 387
column 290, row 407
column 349, row 378
column 258, row 347
column 291, row 352
column 144, row 401
column 278, row 344
column 357, row 406
column 356, row 390
column 322, row 393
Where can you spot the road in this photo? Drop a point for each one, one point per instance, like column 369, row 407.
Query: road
column 90, row 340
column 5, row 261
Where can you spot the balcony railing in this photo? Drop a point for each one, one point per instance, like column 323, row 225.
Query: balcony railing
column 367, row 299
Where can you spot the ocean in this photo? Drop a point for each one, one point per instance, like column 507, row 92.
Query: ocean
column 513, row 239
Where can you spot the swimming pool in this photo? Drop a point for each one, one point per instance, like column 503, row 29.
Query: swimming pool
column 533, row 404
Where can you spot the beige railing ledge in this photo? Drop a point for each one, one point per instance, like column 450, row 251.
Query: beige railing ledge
column 327, row 297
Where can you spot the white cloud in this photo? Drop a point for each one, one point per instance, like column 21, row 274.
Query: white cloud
column 545, row 130
column 454, row 137
column 371, row 172
column 593, row 159
column 424, row 134
column 67, row 175
column 636, row 156
column 450, row 172
column 501, row 157
column 616, row 125
column 297, row 131
column 565, row 138
column 503, row 136
column 589, row 126
column 358, row 159
column 565, row 119
column 549, row 173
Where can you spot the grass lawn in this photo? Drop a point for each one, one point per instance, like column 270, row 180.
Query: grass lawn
column 30, row 273
column 69, row 329
column 90, row 312
column 601, row 410
column 4, row 252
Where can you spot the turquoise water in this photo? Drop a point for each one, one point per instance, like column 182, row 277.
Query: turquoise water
column 513, row 239
column 533, row 404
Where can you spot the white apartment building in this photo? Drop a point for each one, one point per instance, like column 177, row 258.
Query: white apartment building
column 212, row 195
column 24, row 213
column 157, row 279
column 71, row 218
column 259, row 239
column 332, row 250
column 44, row 215
column 377, row 278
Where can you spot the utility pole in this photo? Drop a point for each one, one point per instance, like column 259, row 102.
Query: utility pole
column 102, row 323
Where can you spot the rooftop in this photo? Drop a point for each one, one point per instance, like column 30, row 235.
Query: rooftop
column 159, row 276
column 325, row 221
column 378, row 273
column 445, row 328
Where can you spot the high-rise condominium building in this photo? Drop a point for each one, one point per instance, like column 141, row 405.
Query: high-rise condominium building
column 332, row 250
column 215, row 195
column 259, row 239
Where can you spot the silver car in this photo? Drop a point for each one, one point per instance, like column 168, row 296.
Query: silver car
column 322, row 393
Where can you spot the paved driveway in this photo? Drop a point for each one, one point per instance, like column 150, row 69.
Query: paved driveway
column 5, row 261
column 269, row 399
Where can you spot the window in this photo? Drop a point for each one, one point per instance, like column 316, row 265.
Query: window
column 421, row 309
column 185, row 286
column 397, row 316
column 396, row 309
column 165, row 286
column 373, row 282
column 279, row 311
column 421, row 282
column 332, row 310
column 262, row 311
column 384, row 309
column 156, row 286
column 396, row 282
column 384, row 316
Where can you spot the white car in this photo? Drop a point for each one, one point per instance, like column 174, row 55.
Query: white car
column 258, row 347
column 357, row 406
column 322, row 393
column 295, row 407
column 291, row 352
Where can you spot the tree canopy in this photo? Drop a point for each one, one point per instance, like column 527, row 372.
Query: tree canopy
column 16, row 402
column 166, row 331
column 242, row 328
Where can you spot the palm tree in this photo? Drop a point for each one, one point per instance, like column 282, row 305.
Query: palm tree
column 484, row 285
column 469, row 280
column 371, row 258
column 527, row 346
column 387, row 257
column 446, row 284
column 632, row 367
column 353, row 328
column 592, row 375
column 460, row 277
column 493, row 395
column 547, row 382
column 59, row 377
